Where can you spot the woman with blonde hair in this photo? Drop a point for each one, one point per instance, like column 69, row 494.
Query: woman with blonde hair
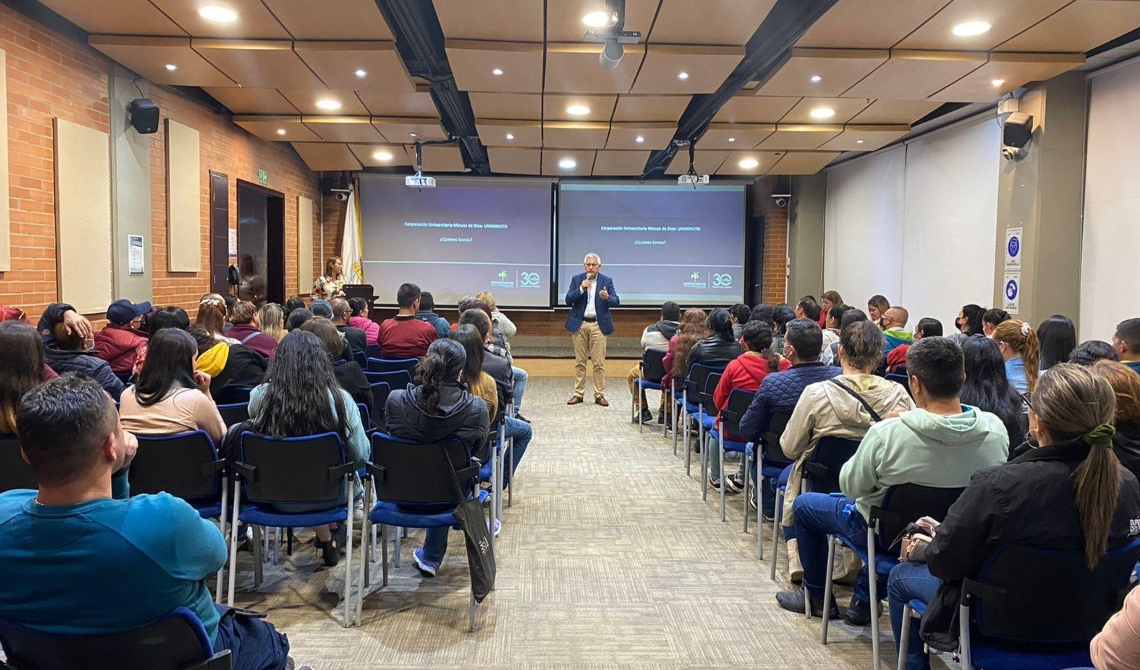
column 331, row 284
column 1021, row 351
column 272, row 320
column 1126, row 385
column 877, row 306
column 1069, row 494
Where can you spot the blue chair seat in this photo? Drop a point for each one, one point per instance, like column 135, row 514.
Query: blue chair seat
column 652, row 386
column 781, row 476
column 392, row 514
column 883, row 563
column 918, row 606
column 729, row 445
column 209, row 510
column 1027, row 658
column 708, row 422
column 692, row 408
column 266, row 516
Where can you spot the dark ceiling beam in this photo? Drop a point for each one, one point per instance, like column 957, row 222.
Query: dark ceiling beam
column 781, row 29
column 419, row 38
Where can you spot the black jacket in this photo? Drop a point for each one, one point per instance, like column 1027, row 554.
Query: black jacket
column 713, row 351
column 244, row 367
column 1028, row 501
column 460, row 414
column 351, row 378
column 85, row 362
column 355, row 337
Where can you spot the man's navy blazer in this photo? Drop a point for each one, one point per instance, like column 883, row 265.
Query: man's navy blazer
column 577, row 300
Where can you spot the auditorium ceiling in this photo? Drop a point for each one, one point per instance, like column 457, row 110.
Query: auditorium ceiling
column 353, row 84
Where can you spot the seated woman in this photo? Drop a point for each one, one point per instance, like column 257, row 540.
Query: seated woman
column 171, row 396
column 718, row 349
column 1069, row 494
column 21, row 368
column 992, row 318
column 969, row 323
column 272, row 320
column 230, row 366
column 1021, row 350
column 359, row 319
column 693, row 329
column 301, row 397
column 1126, row 385
column 69, row 351
column 987, row 388
column 347, row 371
column 435, row 408
column 213, row 313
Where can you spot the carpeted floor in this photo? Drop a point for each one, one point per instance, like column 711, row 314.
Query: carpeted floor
column 607, row 559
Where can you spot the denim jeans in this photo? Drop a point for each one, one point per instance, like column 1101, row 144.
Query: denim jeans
column 910, row 581
column 816, row 515
column 435, row 544
column 521, row 432
column 254, row 644
column 520, row 376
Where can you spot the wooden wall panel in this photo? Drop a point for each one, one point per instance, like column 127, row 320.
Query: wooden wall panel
column 184, row 195
column 83, row 216
column 5, row 217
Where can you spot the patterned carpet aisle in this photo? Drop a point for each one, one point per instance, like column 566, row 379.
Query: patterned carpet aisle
column 608, row 558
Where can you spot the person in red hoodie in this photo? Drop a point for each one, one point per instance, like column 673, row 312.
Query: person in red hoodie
column 121, row 343
column 745, row 373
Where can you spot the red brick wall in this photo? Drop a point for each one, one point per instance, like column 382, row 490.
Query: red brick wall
column 774, row 266
column 49, row 75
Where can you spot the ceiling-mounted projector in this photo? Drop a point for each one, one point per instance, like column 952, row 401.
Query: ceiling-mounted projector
column 419, row 181
column 692, row 179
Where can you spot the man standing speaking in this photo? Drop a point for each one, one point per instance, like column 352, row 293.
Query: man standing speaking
column 590, row 297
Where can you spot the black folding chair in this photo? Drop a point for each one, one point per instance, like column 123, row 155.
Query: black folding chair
column 413, row 489
column 177, row 641
column 652, row 372
column 994, row 630
column 730, row 439
column 821, row 470
column 380, row 393
column 691, row 406
column 15, row 473
column 234, row 413
column 771, row 464
column 707, row 422
column 393, row 365
column 231, row 395
column 902, row 504
column 273, row 472
column 397, row 380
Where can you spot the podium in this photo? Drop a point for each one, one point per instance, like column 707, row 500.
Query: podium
column 364, row 291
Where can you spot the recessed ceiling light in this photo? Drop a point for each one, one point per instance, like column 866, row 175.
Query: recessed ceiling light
column 217, row 13
column 171, row 67
column 597, row 19
column 510, row 136
column 815, row 79
column 732, row 139
column 567, row 164
column 328, row 104
column 997, row 82
column 682, row 75
column 578, row 110
column 749, row 163
column 361, row 73
column 280, row 131
column 497, row 72
column 411, row 134
column 639, row 139
column 822, row 113
column 382, row 156
column 971, row 28
column 858, row 141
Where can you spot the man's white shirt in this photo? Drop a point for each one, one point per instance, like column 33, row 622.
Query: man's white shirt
column 591, row 310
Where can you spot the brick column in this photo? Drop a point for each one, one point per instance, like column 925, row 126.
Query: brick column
column 774, row 265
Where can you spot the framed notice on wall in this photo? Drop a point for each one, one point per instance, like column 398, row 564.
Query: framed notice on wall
column 135, row 260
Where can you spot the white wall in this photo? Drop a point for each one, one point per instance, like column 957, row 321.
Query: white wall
column 1110, row 274
column 918, row 222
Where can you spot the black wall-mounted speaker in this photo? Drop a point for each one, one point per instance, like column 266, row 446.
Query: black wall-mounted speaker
column 144, row 115
column 327, row 186
column 1017, row 130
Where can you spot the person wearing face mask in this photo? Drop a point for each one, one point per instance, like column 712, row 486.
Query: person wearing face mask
column 590, row 297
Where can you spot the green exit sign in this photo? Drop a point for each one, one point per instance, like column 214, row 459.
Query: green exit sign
column 263, row 177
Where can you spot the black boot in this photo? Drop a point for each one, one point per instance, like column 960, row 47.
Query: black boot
column 859, row 612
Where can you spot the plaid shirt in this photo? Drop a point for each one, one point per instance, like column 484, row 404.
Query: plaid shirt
column 500, row 352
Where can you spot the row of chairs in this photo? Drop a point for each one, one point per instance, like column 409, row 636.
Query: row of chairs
column 994, row 633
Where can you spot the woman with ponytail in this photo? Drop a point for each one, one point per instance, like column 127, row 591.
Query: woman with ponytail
column 1068, row 494
column 435, row 408
column 1021, row 351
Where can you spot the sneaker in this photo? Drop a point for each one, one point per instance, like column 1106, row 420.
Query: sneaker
column 498, row 527
column 358, row 509
column 734, row 484
column 715, row 483
column 426, row 567
column 859, row 612
column 793, row 601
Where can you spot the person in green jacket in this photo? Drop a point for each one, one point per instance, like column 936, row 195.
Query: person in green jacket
column 940, row 444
